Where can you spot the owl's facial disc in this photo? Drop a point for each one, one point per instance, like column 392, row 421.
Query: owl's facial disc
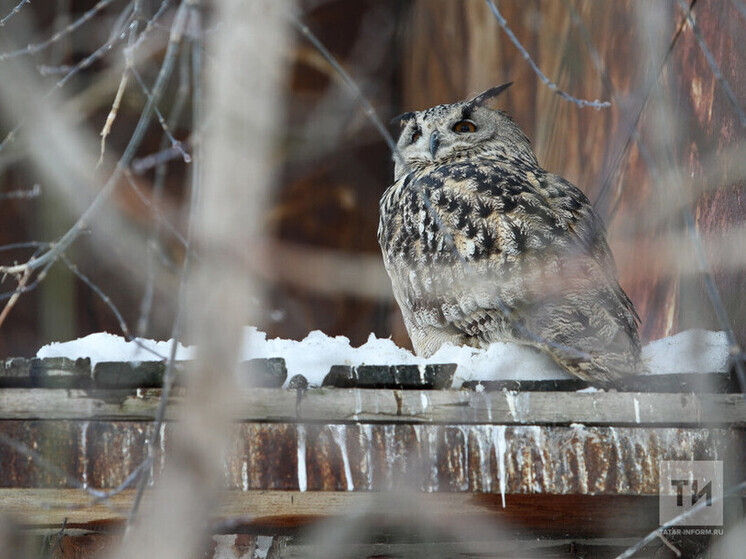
column 462, row 130
column 444, row 132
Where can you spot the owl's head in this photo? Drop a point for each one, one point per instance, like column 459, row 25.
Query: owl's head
column 447, row 133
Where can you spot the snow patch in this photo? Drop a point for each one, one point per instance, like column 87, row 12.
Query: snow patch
column 692, row 351
column 103, row 346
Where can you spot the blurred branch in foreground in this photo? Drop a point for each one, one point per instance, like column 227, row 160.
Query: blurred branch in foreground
column 226, row 209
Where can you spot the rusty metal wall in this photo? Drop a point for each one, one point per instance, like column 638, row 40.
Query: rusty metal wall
column 495, row 459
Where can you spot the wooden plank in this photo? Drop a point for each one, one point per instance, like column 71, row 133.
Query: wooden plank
column 93, row 545
column 61, row 372
column 396, row 406
column 700, row 383
column 278, row 512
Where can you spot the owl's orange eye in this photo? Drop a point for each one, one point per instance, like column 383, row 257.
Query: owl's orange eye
column 415, row 136
column 464, row 127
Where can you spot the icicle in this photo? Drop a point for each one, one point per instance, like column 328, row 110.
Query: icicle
column 464, row 465
column 537, row 436
column 488, row 404
column 340, row 437
column 424, row 401
column 162, row 440
column 637, row 410
column 482, row 433
column 358, row 404
column 367, row 431
column 622, row 475
column 302, row 479
column 517, row 404
column 510, row 399
column 432, row 455
column 390, row 444
column 84, row 452
column 263, row 543
column 245, row 475
column 498, row 439
column 578, row 444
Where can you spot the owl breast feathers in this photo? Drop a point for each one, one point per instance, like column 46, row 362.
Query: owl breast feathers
column 484, row 245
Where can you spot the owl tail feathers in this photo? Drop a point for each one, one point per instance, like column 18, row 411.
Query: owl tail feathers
column 602, row 368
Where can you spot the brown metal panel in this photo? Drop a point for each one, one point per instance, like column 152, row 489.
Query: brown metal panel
column 713, row 130
column 433, row 458
column 57, row 443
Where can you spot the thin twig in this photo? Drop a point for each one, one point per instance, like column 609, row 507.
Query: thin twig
column 169, row 375
column 155, row 209
column 29, row 286
column 72, row 234
column 16, row 295
column 98, row 495
column 182, row 94
column 629, row 552
column 111, row 117
column 350, row 83
column 43, row 463
column 546, row 81
column 143, row 164
column 669, row 545
column 58, row 538
column 128, row 57
column 116, row 36
column 128, row 481
column 33, row 49
column 715, row 299
column 14, row 11
column 152, row 23
column 86, row 62
column 601, row 202
column 158, row 186
column 175, row 144
column 25, row 244
column 109, row 303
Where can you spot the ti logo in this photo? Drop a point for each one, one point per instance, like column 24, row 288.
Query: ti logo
column 691, row 493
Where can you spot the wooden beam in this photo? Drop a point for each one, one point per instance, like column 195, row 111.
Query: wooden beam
column 284, row 512
column 396, row 406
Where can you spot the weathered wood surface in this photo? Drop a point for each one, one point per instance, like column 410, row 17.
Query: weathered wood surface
column 497, row 545
column 278, row 511
column 61, row 372
column 396, row 406
column 496, row 459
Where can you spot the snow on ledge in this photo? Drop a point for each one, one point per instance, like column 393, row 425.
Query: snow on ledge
column 692, row 351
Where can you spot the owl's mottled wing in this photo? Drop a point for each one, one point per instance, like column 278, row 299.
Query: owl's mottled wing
column 603, row 322
column 490, row 249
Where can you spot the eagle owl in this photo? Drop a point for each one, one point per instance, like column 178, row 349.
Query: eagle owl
column 484, row 245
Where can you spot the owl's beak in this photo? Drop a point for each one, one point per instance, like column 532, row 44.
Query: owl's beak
column 434, row 143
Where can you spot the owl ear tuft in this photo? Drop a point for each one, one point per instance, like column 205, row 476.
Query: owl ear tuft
column 491, row 93
column 402, row 119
